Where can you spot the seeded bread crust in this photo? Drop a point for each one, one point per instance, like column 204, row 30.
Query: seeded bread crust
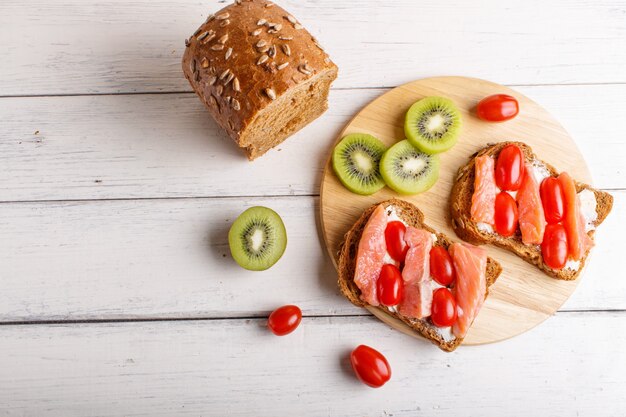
column 261, row 75
column 347, row 263
column 466, row 229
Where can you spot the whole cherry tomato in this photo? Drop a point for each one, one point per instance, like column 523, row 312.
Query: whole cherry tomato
column 284, row 320
column 394, row 237
column 370, row 366
column 554, row 246
column 510, row 168
column 497, row 108
column 441, row 267
column 390, row 285
column 552, row 199
column 506, row 216
column 443, row 309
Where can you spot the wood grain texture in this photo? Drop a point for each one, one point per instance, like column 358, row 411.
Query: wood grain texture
column 77, row 47
column 238, row 368
column 169, row 258
column 523, row 296
column 159, row 259
column 153, row 258
column 141, row 146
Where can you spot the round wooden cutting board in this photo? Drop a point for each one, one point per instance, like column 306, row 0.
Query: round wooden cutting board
column 523, row 296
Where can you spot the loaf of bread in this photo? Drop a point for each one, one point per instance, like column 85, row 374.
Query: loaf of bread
column 468, row 230
column 259, row 72
column 346, row 266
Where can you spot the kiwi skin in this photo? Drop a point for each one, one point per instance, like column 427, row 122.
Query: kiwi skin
column 408, row 186
column 273, row 228
column 425, row 143
column 350, row 180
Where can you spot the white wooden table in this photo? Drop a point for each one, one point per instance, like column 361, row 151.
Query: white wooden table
column 118, row 296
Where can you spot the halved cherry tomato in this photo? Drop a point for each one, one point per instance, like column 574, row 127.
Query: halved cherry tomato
column 552, row 199
column 441, row 267
column 284, row 320
column 497, row 108
column 554, row 246
column 390, row 285
column 510, row 168
column 370, row 366
column 443, row 310
column 506, row 216
column 394, row 237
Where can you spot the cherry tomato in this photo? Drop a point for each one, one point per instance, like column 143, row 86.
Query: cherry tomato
column 506, row 217
column 554, row 246
column 390, row 285
column 394, row 237
column 441, row 267
column 443, row 309
column 370, row 366
column 552, row 199
column 497, row 108
column 284, row 320
column 510, row 168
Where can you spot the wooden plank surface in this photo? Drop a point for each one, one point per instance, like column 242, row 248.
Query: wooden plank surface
column 77, row 47
column 143, row 246
column 142, row 146
column 170, row 258
column 237, row 368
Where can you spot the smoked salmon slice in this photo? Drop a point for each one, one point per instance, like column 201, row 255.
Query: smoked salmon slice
column 485, row 190
column 370, row 255
column 532, row 220
column 470, row 263
column 578, row 240
column 418, row 292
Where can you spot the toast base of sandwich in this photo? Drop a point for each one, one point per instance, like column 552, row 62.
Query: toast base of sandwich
column 347, row 262
column 468, row 230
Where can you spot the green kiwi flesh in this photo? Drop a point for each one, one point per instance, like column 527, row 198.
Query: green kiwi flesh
column 407, row 170
column 432, row 124
column 257, row 238
column 356, row 160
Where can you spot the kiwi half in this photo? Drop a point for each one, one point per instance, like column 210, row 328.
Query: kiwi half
column 356, row 162
column 406, row 170
column 257, row 238
column 432, row 124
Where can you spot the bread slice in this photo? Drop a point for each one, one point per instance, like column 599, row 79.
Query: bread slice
column 261, row 75
column 466, row 229
column 347, row 263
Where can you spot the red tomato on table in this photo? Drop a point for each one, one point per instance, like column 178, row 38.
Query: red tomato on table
column 390, row 285
column 552, row 199
column 284, row 320
column 554, row 246
column 441, row 267
column 510, row 168
column 370, row 366
column 394, row 237
column 443, row 312
column 506, row 216
column 497, row 108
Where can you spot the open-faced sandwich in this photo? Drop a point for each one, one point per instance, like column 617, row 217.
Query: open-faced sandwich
column 507, row 196
column 391, row 260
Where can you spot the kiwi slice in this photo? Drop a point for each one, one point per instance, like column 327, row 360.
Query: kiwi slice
column 406, row 170
column 432, row 124
column 257, row 239
column 356, row 162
